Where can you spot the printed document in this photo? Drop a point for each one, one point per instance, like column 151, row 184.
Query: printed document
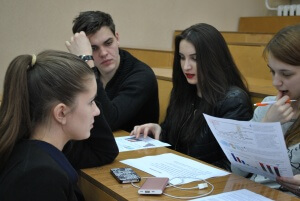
column 178, row 169
column 238, row 195
column 253, row 146
column 130, row 143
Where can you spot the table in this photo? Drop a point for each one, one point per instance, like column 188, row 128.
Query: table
column 98, row 184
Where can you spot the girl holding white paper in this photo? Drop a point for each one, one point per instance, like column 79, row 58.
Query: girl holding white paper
column 283, row 56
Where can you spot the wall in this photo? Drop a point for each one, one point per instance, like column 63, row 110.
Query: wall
column 30, row 26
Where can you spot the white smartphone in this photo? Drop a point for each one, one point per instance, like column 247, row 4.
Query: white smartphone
column 154, row 186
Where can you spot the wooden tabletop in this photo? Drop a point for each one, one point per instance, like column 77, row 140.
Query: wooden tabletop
column 98, row 184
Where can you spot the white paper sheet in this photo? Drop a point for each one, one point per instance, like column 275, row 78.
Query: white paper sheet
column 130, row 143
column 252, row 146
column 178, row 169
column 243, row 194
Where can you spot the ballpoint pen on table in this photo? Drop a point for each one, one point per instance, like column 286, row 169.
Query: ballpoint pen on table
column 270, row 103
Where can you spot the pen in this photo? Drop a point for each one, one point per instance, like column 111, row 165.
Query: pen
column 271, row 103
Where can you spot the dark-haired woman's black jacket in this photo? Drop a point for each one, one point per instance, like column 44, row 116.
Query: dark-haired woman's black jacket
column 235, row 105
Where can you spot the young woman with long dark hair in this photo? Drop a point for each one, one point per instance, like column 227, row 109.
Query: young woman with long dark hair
column 205, row 80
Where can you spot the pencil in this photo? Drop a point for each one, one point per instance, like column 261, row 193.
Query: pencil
column 270, row 103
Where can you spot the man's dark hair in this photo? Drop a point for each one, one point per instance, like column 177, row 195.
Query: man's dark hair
column 92, row 21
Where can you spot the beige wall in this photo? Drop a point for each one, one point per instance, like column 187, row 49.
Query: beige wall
column 33, row 25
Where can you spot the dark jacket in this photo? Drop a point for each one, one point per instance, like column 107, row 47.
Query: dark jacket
column 130, row 98
column 235, row 105
column 38, row 171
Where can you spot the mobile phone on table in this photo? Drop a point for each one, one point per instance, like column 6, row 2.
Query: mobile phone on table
column 125, row 175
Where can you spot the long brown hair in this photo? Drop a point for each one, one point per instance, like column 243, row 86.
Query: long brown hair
column 31, row 87
column 285, row 46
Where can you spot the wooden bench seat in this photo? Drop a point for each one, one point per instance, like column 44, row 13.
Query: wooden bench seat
column 248, row 58
column 242, row 38
column 152, row 57
column 247, row 38
column 266, row 24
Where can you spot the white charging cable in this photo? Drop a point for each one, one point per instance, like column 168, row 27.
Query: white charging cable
column 199, row 186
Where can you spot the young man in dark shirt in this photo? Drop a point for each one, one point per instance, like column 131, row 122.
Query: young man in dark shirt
column 127, row 87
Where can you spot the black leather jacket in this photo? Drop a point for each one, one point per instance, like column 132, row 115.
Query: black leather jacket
column 235, row 105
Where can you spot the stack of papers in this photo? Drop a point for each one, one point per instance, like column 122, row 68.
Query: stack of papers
column 130, row 143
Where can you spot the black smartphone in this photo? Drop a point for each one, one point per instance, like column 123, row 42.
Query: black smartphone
column 125, row 175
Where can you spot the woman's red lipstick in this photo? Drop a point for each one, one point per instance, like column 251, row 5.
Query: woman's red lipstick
column 189, row 75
